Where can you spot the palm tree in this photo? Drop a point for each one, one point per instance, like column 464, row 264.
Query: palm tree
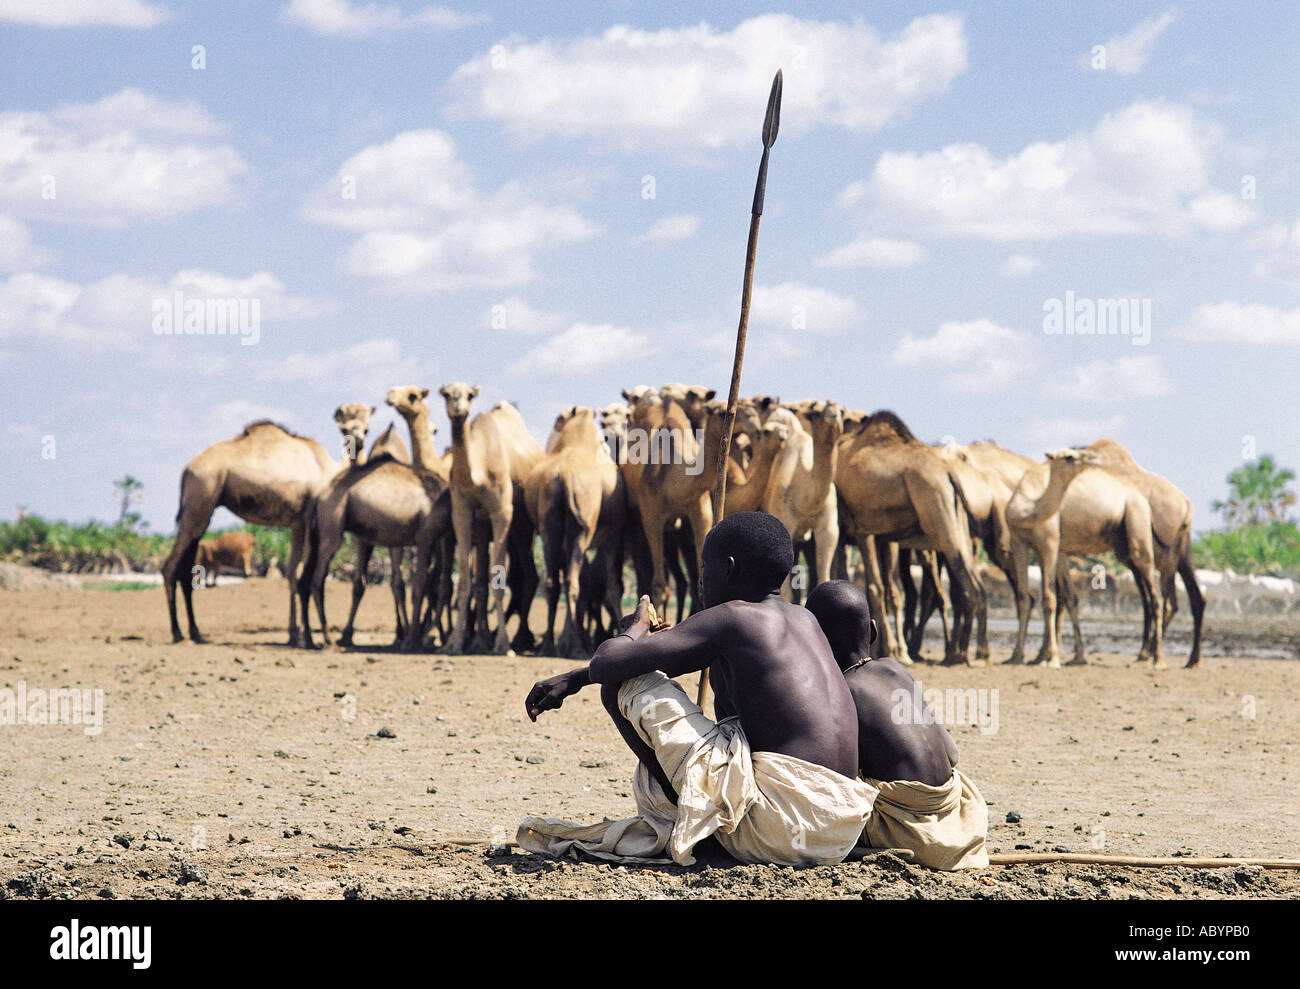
column 128, row 489
column 1259, row 494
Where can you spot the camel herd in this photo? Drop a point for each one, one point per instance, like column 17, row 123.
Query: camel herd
column 632, row 483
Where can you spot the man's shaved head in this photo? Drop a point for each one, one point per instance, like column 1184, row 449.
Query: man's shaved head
column 747, row 553
column 841, row 609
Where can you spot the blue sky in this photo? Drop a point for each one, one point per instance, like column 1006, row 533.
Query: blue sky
column 552, row 203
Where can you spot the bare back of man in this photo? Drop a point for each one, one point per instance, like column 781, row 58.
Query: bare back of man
column 896, row 741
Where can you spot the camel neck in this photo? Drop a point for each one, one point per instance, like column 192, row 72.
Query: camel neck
column 423, row 453
column 463, row 460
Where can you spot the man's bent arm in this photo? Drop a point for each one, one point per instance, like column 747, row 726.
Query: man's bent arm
column 685, row 648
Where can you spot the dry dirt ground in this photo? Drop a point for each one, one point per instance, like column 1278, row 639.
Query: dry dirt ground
column 242, row 768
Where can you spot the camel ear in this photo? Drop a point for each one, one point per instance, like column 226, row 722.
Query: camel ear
column 372, row 409
column 424, row 392
column 443, row 391
column 338, row 414
column 708, row 396
column 473, row 392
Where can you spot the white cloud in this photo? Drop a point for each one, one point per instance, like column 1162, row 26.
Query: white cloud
column 681, row 226
column 1242, row 322
column 17, row 252
column 1112, row 381
column 582, row 349
column 84, row 13
column 1144, row 168
column 1280, row 262
column 116, row 312
column 874, row 253
column 794, row 306
column 1019, row 265
column 1126, row 54
column 129, row 156
column 978, row 355
column 340, row 18
column 426, row 228
column 516, row 316
column 694, row 87
column 404, row 182
column 1054, row 434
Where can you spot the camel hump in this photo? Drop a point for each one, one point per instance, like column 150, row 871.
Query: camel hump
column 257, row 424
column 887, row 424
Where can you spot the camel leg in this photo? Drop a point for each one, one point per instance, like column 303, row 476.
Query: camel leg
column 499, row 556
column 193, row 522
column 1020, row 587
column 654, row 537
column 179, row 563
column 1195, row 600
column 525, row 579
column 364, row 551
column 1066, row 592
column 1050, row 653
column 424, row 549
column 982, row 650
column 297, row 536
column 571, row 639
column 465, row 532
column 552, row 560
column 884, row 644
column 401, row 617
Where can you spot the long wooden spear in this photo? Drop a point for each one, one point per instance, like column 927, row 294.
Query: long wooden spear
column 770, row 125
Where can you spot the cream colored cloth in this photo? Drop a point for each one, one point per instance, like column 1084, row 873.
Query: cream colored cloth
column 763, row 806
column 944, row 825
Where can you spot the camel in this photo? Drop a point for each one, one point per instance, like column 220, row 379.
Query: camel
column 747, row 486
column 895, row 488
column 1171, row 517
column 383, row 502
column 1065, row 507
column 233, row 549
column 409, row 402
column 267, row 476
column 576, row 498
column 986, row 495
column 491, row 458
column 670, row 477
column 678, row 539
column 801, row 488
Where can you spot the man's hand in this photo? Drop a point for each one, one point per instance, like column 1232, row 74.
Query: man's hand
column 549, row 694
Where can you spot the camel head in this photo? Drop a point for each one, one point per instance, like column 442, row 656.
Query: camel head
column 692, row 398
column 764, row 404
column 827, row 416
column 1073, row 460
column 773, row 433
column 408, row 400
column 854, row 421
column 354, row 422
column 640, row 399
column 458, row 395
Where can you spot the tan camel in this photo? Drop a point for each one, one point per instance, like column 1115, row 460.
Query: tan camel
column 383, row 502
column 267, row 476
column 895, row 488
column 491, row 458
column 1066, row 507
column 576, row 497
column 747, row 486
column 1171, row 517
column 985, row 495
column 801, row 488
column 668, row 478
column 232, row 549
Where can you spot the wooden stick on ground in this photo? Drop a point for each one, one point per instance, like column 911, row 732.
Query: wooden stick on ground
column 771, row 123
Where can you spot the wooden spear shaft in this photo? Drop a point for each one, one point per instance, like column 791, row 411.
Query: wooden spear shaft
column 771, row 123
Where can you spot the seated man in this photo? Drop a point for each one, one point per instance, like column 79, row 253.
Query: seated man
column 775, row 778
column 925, row 803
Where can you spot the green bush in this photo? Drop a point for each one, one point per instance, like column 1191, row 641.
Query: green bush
column 1272, row 549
